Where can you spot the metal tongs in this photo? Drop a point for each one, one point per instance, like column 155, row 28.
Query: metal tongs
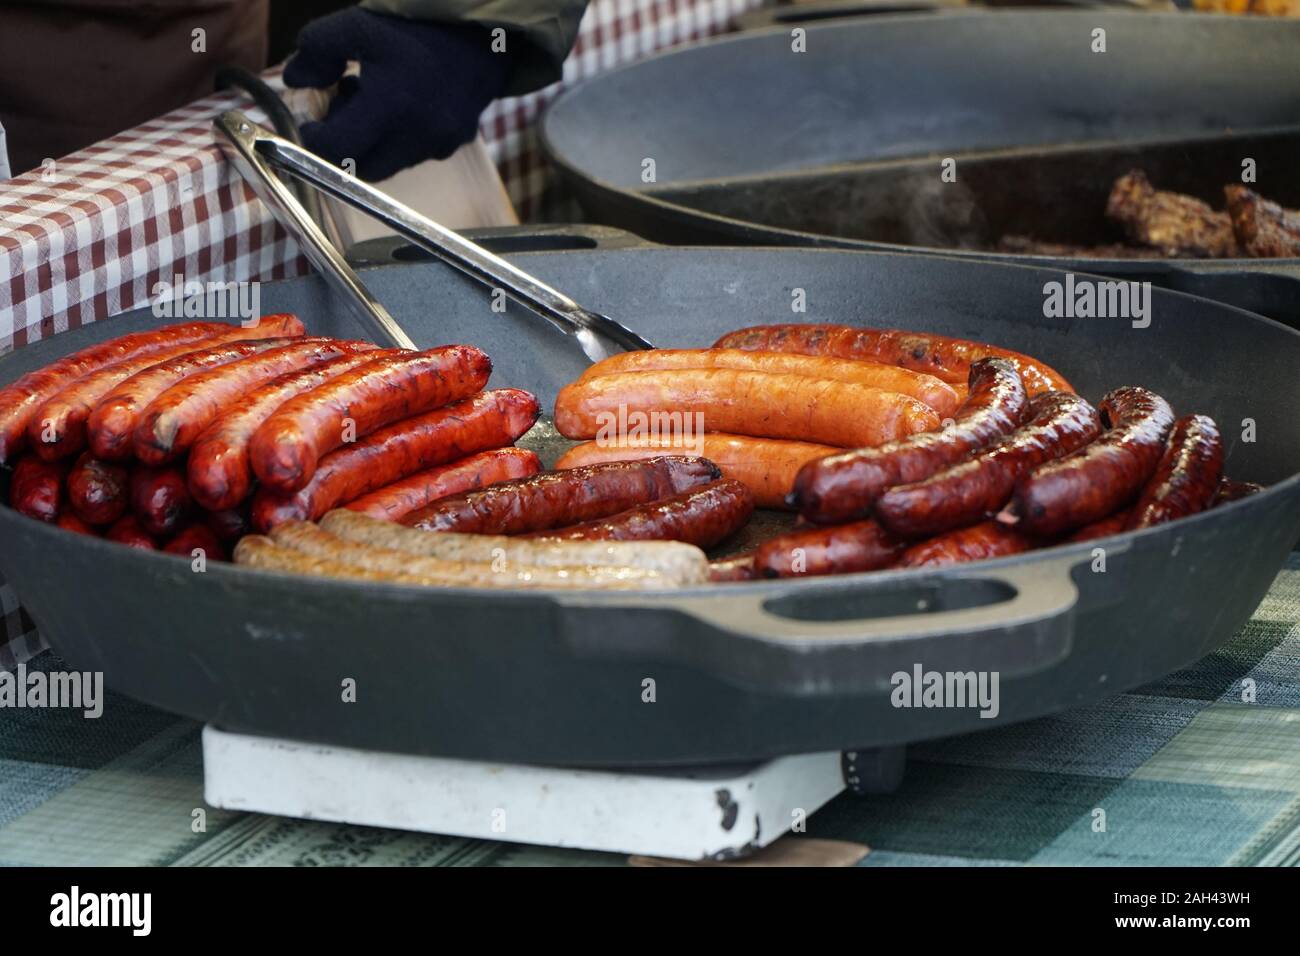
column 256, row 152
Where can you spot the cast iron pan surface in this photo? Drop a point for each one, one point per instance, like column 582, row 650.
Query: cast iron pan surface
column 741, row 671
column 840, row 146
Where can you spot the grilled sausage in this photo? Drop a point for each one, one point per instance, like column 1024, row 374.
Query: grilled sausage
column 220, row 475
column 57, row 429
column 972, row 490
column 70, row 522
column 393, row 502
column 126, row 530
column 172, row 421
column 559, row 498
column 160, row 500
column 926, row 388
column 20, row 400
column 488, row 420
column 939, row 355
column 229, row 524
column 681, row 561
column 702, row 516
column 988, row 539
column 762, row 404
column 196, row 537
column 318, row 543
column 286, row 448
column 738, row 568
column 1187, row 477
column 1230, row 489
column 1103, row 528
column 37, row 488
column 1099, row 478
column 98, row 491
column 840, row 549
column 766, row 465
column 845, row 486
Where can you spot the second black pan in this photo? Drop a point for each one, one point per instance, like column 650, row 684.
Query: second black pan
column 841, row 145
column 740, row 671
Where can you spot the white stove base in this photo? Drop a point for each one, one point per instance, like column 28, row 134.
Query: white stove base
column 694, row 814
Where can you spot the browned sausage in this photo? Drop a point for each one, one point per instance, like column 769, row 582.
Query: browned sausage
column 196, row 537
column 229, row 524
column 1187, row 476
column 394, row 502
column 988, row 539
column 219, row 473
column 113, row 418
column 845, row 486
column 839, row 549
column 173, row 420
column 739, row 568
column 286, row 448
column 1099, row 478
column 939, row 355
column 1232, row 490
column 1104, row 528
column 559, row 498
column 37, row 488
column 159, row 499
column 972, row 490
column 702, row 516
column 488, row 420
column 98, row 491
column 761, row 404
column 70, row 522
column 126, row 530
column 20, row 400
column 58, row 427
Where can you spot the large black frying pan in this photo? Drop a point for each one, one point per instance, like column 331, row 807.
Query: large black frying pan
column 841, row 145
column 739, row 671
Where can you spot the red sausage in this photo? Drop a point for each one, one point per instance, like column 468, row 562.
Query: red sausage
column 126, row 530
column 219, row 473
column 229, row 524
column 557, row 499
column 159, row 499
column 70, row 522
column 1232, row 490
column 842, row 487
column 20, row 400
column 988, row 539
column 393, row 502
column 58, row 427
column 286, row 448
column 840, row 549
column 37, row 488
column 939, row 355
column 1099, row 478
column 488, row 420
column 196, row 537
column 98, row 491
column 703, row 517
column 1104, row 528
column 1186, row 478
column 177, row 416
column 975, row 489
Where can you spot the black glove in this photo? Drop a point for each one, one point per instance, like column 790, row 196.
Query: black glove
column 421, row 89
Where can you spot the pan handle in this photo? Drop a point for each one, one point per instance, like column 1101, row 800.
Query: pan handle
column 820, row 638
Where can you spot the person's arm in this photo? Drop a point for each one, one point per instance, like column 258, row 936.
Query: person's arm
column 539, row 33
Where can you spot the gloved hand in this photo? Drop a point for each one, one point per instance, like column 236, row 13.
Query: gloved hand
column 421, row 89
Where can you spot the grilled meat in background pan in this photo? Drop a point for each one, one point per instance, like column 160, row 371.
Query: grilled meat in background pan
column 1161, row 224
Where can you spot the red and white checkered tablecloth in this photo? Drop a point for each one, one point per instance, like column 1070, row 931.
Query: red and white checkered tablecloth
column 90, row 237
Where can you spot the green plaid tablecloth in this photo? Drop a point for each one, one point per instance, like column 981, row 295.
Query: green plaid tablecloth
column 1184, row 771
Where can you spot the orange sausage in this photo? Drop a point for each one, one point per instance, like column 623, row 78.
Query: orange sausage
column 761, row 404
column 940, row 355
column 936, row 393
column 766, row 465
